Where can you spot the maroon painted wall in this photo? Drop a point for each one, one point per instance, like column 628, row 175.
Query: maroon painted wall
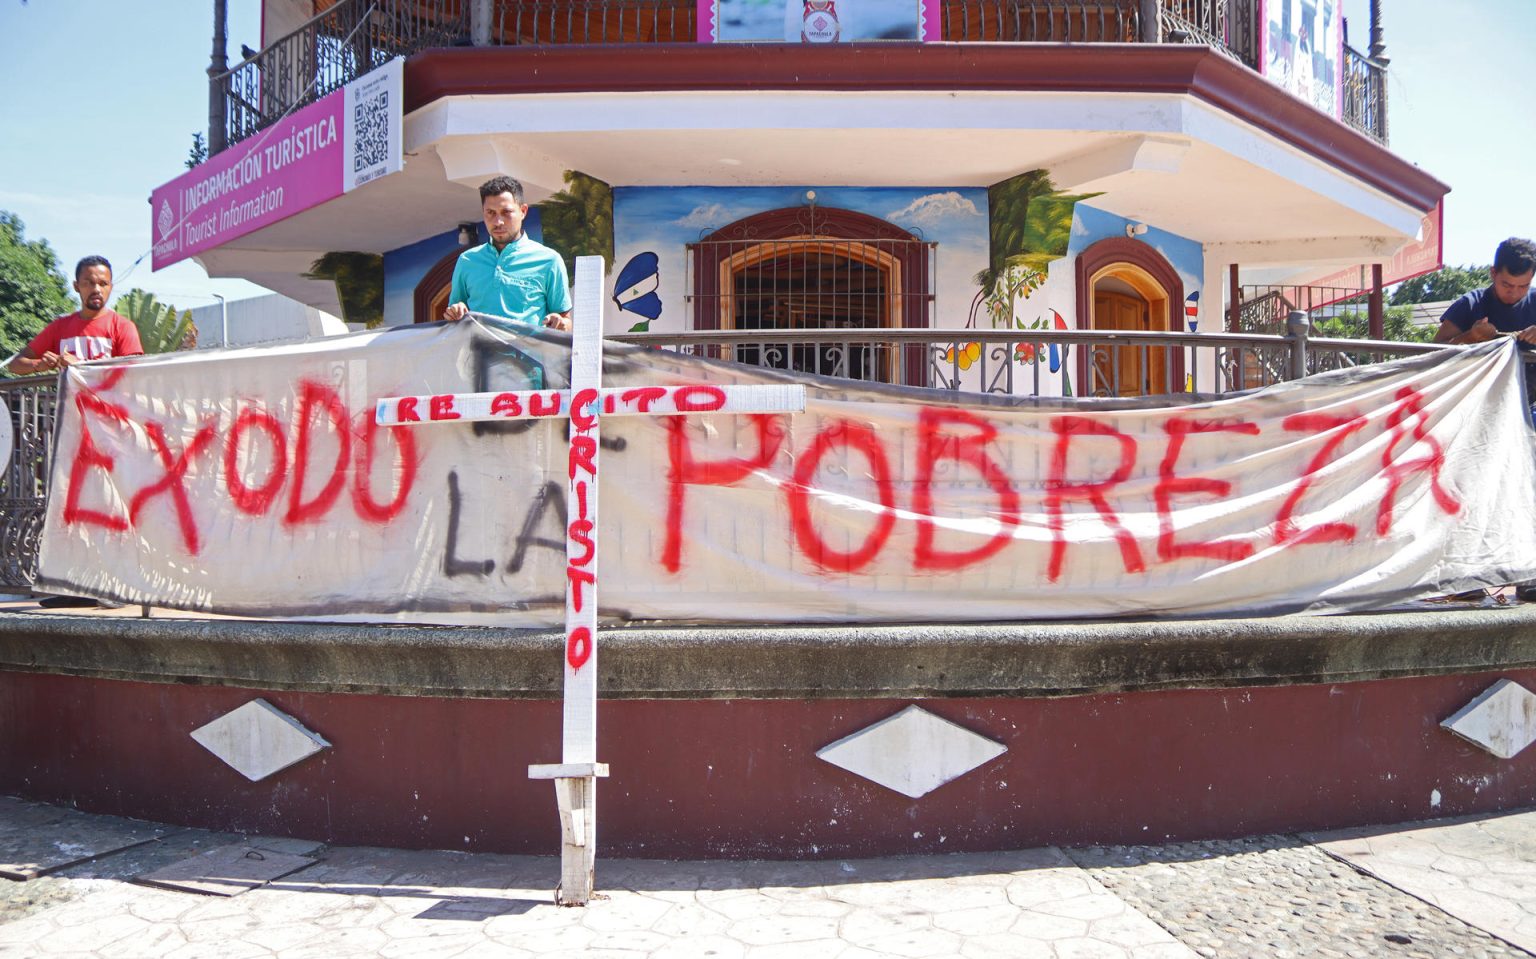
column 705, row 778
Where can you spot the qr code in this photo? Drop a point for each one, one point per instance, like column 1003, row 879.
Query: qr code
column 371, row 132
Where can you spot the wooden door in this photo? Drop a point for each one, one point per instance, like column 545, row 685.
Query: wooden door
column 1126, row 370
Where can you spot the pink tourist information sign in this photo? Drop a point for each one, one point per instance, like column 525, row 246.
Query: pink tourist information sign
column 314, row 154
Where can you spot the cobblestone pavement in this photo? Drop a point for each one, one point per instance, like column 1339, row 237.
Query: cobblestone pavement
column 1274, row 896
column 1480, row 870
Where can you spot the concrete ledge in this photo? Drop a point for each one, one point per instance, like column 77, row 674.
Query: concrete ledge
column 813, row 662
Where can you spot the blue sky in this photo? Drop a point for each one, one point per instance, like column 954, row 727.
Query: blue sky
column 1456, row 107
column 102, row 98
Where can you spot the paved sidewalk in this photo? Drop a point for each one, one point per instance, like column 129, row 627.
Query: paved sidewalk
column 1448, row 888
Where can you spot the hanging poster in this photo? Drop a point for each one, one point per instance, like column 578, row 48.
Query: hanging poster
column 816, row 21
column 1304, row 50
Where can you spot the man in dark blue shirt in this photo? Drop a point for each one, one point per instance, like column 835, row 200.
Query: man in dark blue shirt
column 1505, row 306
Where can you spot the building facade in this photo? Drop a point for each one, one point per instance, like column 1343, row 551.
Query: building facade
column 944, row 165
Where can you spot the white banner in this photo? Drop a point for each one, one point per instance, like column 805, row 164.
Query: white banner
column 258, row 482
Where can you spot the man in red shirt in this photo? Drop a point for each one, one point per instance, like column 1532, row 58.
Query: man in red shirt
column 93, row 333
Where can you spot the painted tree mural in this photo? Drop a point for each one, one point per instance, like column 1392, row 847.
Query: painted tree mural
column 359, row 279
column 1031, row 225
column 578, row 221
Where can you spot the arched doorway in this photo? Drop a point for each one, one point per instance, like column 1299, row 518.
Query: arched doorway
column 431, row 295
column 808, row 268
column 1124, row 284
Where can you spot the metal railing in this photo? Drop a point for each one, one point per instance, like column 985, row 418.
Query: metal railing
column 338, row 45
column 1042, row 21
column 594, row 21
column 351, row 37
column 1030, row 362
column 1230, row 26
column 1365, row 94
column 24, row 485
column 811, row 279
column 1265, row 309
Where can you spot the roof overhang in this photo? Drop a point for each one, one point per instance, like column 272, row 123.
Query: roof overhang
column 1178, row 136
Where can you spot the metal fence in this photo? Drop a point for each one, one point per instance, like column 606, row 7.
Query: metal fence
column 351, row 37
column 1266, row 309
column 811, row 280
column 24, row 486
column 340, row 44
column 1026, row 363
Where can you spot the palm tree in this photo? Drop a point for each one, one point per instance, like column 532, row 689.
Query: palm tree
column 161, row 328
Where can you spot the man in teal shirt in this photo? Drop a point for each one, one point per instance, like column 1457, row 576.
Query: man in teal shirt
column 512, row 276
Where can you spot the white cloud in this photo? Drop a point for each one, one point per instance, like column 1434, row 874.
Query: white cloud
column 934, row 208
column 705, row 217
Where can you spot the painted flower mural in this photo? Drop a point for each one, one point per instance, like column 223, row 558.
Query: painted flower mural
column 1032, row 353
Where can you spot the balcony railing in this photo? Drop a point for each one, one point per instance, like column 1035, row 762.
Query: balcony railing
column 1365, row 94
column 351, row 37
column 1019, row 363
column 1231, row 26
column 593, row 21
column 1042, row 21
column 340, row 44
column 1264, row 309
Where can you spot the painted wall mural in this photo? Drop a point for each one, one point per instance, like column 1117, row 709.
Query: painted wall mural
column 1029, row 229
column 634, row 290
column 654, row 226
column 1091, row 224
column 1185, row 256
column 578, row 221
column 405, row 267
column 1002, row 258
column 1036, row 232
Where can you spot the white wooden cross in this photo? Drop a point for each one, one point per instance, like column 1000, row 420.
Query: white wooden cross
column 584, row 404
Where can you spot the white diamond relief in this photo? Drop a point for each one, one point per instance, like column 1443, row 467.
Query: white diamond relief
column 258, row 739
column 913, row 752
column 1502, row 720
